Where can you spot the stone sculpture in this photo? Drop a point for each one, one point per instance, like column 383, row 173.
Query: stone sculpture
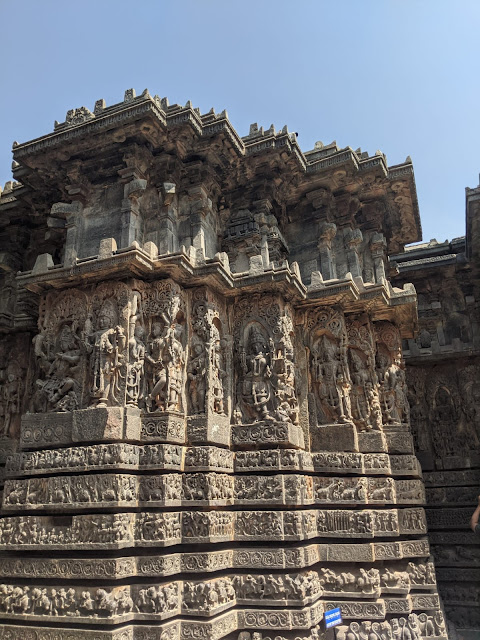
column 205, row 421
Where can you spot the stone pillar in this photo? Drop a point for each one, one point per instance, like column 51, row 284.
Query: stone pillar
column 377, row 246
column 353, row 241
column 327, row 233
column 72, row 213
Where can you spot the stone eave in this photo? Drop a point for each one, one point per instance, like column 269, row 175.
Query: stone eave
column 131, row 112
column 223, row 126
column 280, row 142
column 377, row 299
column 433, row 262
column 344, row 157
column 280, row 279
column 404, row 172
column 130, row 262
column 332, row 291
column 376, row 163
column 421, row 252
column 444, row 353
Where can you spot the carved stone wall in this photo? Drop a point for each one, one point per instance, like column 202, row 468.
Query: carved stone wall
column 204, row 415
column 443, row 375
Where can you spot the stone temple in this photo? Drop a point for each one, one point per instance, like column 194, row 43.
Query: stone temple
column 204, row 410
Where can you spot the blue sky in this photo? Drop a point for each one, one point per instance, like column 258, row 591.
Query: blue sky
column 401, row 76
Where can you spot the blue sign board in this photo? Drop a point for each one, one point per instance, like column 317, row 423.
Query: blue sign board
column 332, row 618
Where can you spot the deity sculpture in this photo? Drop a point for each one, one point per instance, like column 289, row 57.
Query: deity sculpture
column 332, row 380
column 217, row 348
column 61, row 385
column 155, row 357
column 366, row 408
column 106, row 347
column 11, row 397
column 196, row 375
column 257, row 373
column 392, row 389
column 165, row 355
column 136, row 352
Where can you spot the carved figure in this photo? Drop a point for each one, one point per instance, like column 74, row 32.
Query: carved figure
column 196, row 375
column 392, row 389
column 166, row 357
column 217, row 347
column 61, row 386
column 332, row 380
column 106, row 346
column 11, row 393
column 136, row 362
column 256, row 385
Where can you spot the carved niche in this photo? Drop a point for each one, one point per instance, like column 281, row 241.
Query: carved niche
column 391, row 374
column 364, row 393
column 107, row 337
column 208, row 383
column 84, row 350
column 13, row 372
column 445, row 410
column 61, row 350
column 164, row 314
column 330, row 381
column 264, row 367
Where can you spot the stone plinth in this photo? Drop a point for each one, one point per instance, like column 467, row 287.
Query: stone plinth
column 267, row 434
column 209, row 429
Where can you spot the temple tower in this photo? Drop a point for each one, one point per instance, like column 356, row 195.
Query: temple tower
column 205, row 421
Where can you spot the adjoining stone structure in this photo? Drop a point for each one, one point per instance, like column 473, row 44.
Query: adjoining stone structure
column 204, row 403
column 443, row 375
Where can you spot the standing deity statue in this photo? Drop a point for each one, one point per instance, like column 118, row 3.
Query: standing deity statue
column 392, row 389
column 165, row 355
column 197, row 377
column 106, row 347
column 360, row 379
column 366, row 409
column 11, row 398
column 217, row 348
column 136, row 353
column 332, row 380
column 176, row 361
column 155, row 357
column 256, row 386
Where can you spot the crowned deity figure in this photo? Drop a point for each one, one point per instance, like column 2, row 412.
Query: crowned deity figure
column 11, row 393
column 106, row 346
column 197, row 377
column 217, row 348
column 257, row 373
column 136, row 352
column 62, row 369
column 332, row 380
column 393, row 389
column 165, row 356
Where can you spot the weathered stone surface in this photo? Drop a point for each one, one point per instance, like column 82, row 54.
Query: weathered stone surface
column 443, row 369
column 203, row 402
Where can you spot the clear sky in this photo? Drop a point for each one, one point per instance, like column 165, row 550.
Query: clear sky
column 401, row 76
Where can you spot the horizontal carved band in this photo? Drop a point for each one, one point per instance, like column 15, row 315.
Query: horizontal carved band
column 169, row 564
column 130, row 457
column 209, row 489
column 146, row 529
